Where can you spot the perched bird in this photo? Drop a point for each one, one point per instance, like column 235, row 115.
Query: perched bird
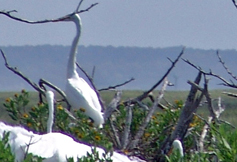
column 78, row 92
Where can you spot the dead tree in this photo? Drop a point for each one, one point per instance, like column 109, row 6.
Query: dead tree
column 185, row 119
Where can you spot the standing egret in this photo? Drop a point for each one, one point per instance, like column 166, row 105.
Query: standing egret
column 78, row 92
column 51, row 146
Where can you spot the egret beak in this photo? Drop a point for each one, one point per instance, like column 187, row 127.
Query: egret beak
column 65, row 18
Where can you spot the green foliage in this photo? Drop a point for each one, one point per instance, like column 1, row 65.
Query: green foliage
column 220, row 142
column 94, row 156
column 6, row 154
column 225, row 142
column 35, row 119
column 5, row 150
column 16, row 106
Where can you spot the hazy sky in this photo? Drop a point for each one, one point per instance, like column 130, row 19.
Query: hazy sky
column 206, row 24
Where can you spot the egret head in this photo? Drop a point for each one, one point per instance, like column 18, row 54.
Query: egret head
column 178, row 145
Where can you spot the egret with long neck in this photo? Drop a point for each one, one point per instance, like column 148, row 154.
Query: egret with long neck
column 78, row 92
column 50, row 100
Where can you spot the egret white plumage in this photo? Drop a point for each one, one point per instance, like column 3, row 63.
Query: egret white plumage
column 50, row 100
column 52, row 146
column 178, row 145
column 78, row 92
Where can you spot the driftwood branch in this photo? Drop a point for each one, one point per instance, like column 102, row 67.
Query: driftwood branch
column 208, row 98
column 112, row 105
column 151, row 111
column 217, row 112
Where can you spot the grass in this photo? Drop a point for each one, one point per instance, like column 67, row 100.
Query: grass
column 230, row 103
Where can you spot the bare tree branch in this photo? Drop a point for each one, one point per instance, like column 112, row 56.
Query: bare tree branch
column 8, row 14
column 141, row 130
column 116, row 86
column 113, row 105
column 146, row 93
column 43, row 81
column 190, row 107
column 79, row 5
column 208, row 97
column 36, row 86
column 16, row 71
column 225, row 82
column 224, row 65
column 217, row 114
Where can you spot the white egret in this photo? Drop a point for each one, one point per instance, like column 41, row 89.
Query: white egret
column 78, row 92
column 52, row 146
column 178, row 145
column 50, row 100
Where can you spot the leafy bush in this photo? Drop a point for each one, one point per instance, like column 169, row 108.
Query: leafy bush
column 221, row 139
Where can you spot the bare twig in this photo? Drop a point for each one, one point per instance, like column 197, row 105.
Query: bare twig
column 224, row 65
column 146, row 93
column 36, row 86
column 8, row 14
column 116, row 86
column 43, row 81
column 79, row 5
column 225, row 82
column 16, row 71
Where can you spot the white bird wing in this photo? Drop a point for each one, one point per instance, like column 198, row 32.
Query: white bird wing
column 81, row 93
column 56, row 147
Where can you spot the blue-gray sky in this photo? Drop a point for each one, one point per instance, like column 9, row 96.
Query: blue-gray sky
column 206, row 24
